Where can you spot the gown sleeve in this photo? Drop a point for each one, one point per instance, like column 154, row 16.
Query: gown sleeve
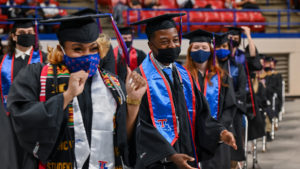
column 241, row 94
column 207, row 129
column 36, row 124
column 151, row 145
column 228, row 108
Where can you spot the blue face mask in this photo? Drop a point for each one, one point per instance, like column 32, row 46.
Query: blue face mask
column 200, row 56
column 222, row 53
column 87, row 63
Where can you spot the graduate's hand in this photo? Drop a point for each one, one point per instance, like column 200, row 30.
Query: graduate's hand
column 135, row 85
column 228, row 138
column 247, row 30
column 181, row 161
column 75, row 86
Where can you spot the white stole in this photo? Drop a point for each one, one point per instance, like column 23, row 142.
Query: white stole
column 101, row 151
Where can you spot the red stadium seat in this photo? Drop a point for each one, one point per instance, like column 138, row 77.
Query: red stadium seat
column 216, row 4
column 3, row 18
column 171, row 4
column 212, row 17
column 3, row 1
column 242, row 17
column 200, row 4
column 257, row 17
column 226, row 17
column 19, row 2
column 133, row 16
column 196, row 17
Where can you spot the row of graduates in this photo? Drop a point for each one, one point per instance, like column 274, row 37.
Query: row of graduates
column 177, row 123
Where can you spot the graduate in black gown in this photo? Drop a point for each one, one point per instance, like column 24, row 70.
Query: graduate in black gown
column 256, row 125
column 175, row 129
column 237, row 73
column 136, row 56
column 248, row 59
column 274, row 81
column 72, row 113
column 216, row 86
column 23, row 49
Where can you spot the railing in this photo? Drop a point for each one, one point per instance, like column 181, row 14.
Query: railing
column 279, row 12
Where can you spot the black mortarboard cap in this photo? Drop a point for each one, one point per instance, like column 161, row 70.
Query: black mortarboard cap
column 199, row 35
column 125, row 30
column 74, row 28
column 234, row 30
column 23, row 22
column 221, row 38
column 159, row 22
column 261, row 56
column 86, row 11
column 269, row 59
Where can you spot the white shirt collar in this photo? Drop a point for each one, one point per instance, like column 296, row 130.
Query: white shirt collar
column 22, row 54
column 160, row 65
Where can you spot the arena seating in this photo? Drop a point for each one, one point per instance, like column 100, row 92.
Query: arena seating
column 196, row 18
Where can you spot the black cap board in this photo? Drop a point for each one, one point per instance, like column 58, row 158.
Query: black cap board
column 261, row 56
column 23, row 22
column 159, row 22
column 221, row 38
column 82, row 28
column 86, row 11
column 234, row 30
column 125, row 30
column 199, row 35
column 269, row 59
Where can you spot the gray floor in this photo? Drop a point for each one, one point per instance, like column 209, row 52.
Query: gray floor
column 284, row 151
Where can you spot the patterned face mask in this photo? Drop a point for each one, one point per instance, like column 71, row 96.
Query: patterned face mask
column 88, row 63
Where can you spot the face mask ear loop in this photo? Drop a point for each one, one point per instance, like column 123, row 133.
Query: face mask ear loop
column 62, row 49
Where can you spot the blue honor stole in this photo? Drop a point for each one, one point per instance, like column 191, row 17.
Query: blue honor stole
column 212, row 93
column 160, row 98
column 7, row 69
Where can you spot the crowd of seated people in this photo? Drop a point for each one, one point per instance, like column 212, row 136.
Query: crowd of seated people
column 21, row 8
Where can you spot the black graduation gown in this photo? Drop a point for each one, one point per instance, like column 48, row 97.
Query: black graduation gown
column 239, row 84
column 256, row 127
column 108, row 62
column 253, row 65
column 8, row 153
column 122, row 66
column 271, row 89
column 152, row 147
column 46, row 122
column 227, row 111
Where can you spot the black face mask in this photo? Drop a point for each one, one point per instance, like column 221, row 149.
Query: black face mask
column 128, row 44
column 235, row 43
column 268, row 69
column 167, row 55
column 26, row 40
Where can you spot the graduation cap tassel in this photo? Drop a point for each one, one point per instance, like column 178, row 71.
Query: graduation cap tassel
column 120, row 40
column 36, row 44
column 214, row 53
column 231, row 47
column 180, row 30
